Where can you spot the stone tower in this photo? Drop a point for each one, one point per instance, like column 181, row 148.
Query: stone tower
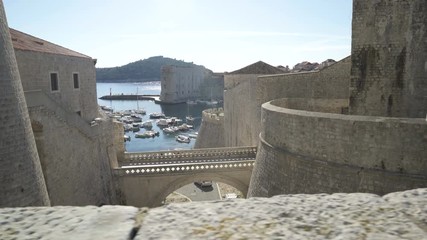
column 389, row 58
column 21, row 177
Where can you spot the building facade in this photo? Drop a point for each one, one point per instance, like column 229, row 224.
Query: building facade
column 76, row 153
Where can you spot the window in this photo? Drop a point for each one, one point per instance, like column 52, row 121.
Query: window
column 76, row 80
column 54, row 84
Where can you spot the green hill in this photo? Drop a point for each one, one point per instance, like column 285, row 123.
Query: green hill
column 139, row 71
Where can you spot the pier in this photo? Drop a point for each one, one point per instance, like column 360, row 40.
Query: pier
column 130, row 97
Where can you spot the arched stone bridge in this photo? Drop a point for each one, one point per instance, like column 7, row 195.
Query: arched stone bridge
column 147, row 178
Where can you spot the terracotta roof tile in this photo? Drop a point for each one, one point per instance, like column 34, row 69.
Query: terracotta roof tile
column 23, row 41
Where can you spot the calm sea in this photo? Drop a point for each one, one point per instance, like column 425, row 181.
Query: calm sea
column 164, row 141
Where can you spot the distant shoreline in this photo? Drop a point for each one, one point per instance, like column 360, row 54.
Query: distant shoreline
column 127, row 80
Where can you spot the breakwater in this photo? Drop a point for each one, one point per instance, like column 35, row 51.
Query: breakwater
column 130, row 97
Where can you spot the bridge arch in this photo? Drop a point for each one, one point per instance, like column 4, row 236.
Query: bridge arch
column 147, row 178
column 151, row 190
column 185, row 180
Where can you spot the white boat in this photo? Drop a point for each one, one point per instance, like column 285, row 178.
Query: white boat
column 136, row 117
column 191, row 102
column 193, row 135
column 157, row 115
column 162, row 122
column 189, row 119
column 173, row 121
column 126, row 119
column 211, row 103
column 107, row 108
column 147, row 124
column 127, row 127
column 183, row 139
column 170, row 129
column 126, row 138
column 140, row 111
column 185, row 127
column 147, row 134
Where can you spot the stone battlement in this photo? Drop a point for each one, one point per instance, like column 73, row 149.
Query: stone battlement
column 212, row 124
column 213, row 114
column 319, row 216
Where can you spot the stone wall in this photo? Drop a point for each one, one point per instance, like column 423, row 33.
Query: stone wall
column 313, row 149
column 183, row 83
column 240, row 110
column 76, row 157
column 211, row 132
column 21, row 177
column 35, row 69
column 245, row 93
column 76, row 162
column 399, row 215
column 389, row 65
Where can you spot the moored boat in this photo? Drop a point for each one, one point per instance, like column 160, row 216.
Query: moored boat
column 147, row 124
column 183, row 139
column 193, row 135
column 189, row 119
column 126, row 138
column 157, row 115
column 147, row 134
column 171, row 129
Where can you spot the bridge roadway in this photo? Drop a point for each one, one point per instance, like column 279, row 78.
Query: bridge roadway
column 147, row 178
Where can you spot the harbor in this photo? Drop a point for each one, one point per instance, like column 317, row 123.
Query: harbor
column 167, row 135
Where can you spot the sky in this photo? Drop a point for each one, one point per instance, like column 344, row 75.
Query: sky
column 222, row 35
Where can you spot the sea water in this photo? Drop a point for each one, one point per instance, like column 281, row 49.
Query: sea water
column 163, row 141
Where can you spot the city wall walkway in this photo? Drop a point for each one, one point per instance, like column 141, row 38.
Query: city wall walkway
column 147, row 178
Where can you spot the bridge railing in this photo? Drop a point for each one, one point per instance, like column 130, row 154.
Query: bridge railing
column 194, row 154
column 184, row 168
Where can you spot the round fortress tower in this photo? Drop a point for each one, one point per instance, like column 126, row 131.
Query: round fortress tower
column 21, row 178
column 377, row 142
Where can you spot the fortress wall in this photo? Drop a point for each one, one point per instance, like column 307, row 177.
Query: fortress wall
column 329, row 83
column 211, row 133
column 21, row 177
column 212, row 87
column 389, row 65
column 310, row 150
column 35, row 69
column 245, row 93
column 182, row 83
column 76, row 166
column 240, row 110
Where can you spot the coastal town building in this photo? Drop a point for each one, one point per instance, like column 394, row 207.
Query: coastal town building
column 75, row 153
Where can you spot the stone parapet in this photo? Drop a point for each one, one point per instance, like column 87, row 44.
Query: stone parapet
column 311, row 150
column 137, row 158
column 213, row 114
column 399, row 215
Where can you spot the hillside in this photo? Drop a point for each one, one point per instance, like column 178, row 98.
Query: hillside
column 140, row 71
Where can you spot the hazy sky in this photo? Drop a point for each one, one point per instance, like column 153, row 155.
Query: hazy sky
column 222, row 35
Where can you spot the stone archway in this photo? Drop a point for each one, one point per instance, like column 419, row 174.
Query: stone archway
column 185, row 180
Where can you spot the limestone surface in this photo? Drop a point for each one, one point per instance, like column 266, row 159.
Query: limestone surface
column 400, row 215
column 107, row 222
column 302, row 216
